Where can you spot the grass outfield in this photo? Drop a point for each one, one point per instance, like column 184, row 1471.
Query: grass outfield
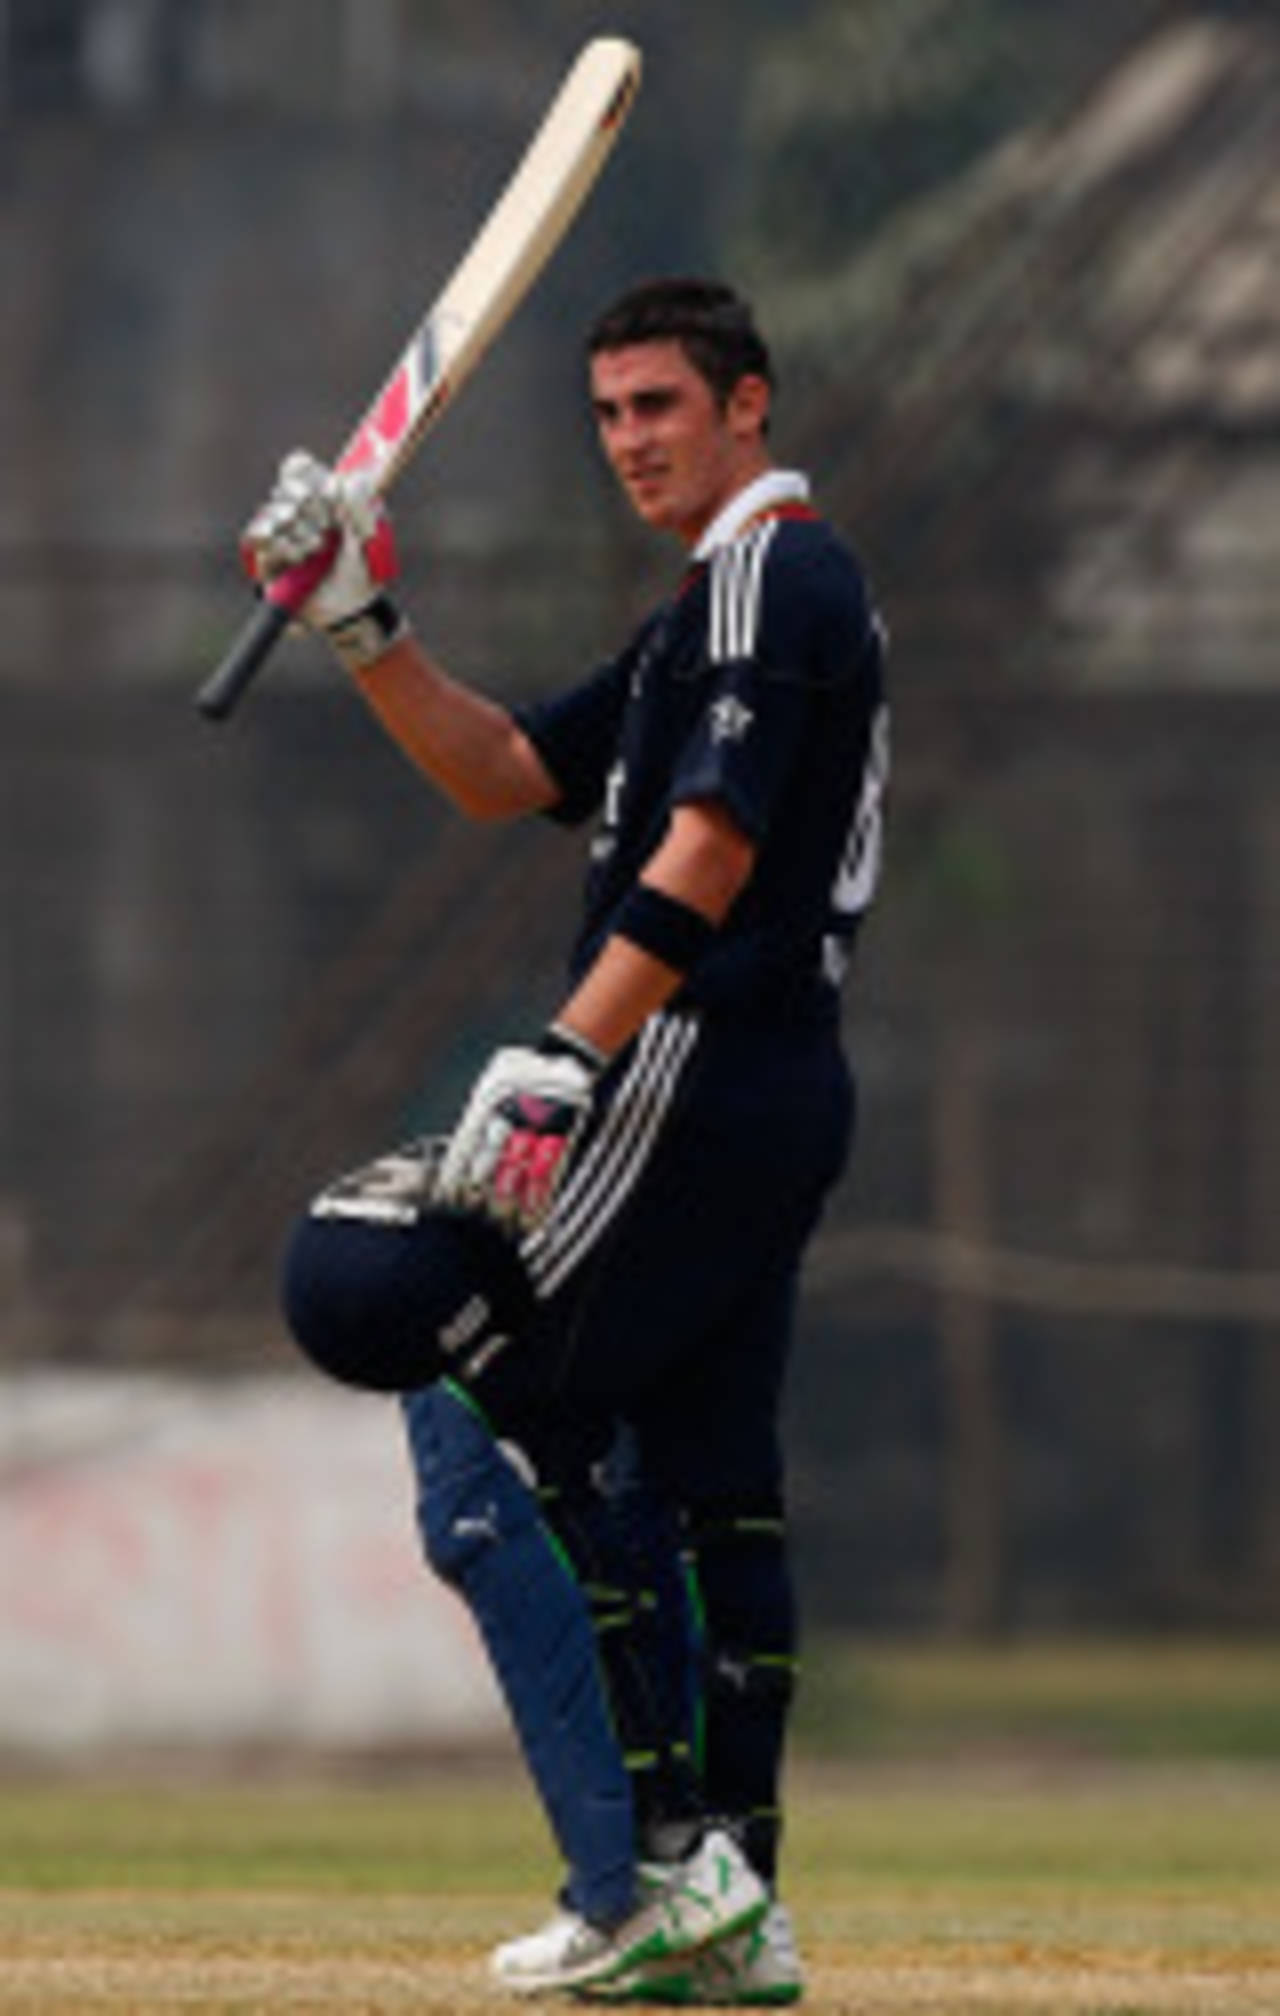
column 981, row 1890
column 1055, row 1829
column 1131, row 1700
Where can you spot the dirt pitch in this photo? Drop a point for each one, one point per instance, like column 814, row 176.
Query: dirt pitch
column 979, row 1893
column 169, row 1970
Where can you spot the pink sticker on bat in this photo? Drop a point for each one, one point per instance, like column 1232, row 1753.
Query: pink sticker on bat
column 382, row 426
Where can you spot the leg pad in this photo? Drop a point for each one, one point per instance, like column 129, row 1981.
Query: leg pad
column 483, row 1534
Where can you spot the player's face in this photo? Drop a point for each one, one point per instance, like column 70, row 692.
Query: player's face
column 678, row 453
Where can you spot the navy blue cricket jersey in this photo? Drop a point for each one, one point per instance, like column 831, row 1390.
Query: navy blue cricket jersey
column 758, row 686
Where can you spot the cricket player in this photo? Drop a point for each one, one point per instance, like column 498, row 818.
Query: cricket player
column 656, row 1160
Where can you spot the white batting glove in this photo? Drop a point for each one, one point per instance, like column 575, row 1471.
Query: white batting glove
column 324, row 543
column 508, row 1153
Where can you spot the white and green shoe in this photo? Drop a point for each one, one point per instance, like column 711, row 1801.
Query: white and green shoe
column 756, row 1969
column 712, row 1895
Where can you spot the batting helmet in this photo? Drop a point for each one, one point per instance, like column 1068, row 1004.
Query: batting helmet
column 388, row 1296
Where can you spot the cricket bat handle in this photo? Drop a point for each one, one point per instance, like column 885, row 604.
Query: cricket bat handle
column 282, row 598
column 257, row 639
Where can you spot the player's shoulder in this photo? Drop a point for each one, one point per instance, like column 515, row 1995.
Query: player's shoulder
column 808, row 542
column 814, row 577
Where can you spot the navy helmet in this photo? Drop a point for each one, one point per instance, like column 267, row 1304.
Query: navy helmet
column 384, row 1289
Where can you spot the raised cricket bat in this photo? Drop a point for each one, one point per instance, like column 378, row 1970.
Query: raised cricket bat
column 521, row 232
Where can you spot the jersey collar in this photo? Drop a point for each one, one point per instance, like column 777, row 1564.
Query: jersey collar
column 766, row 493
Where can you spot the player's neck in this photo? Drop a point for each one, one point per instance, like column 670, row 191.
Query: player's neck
column 765, row 493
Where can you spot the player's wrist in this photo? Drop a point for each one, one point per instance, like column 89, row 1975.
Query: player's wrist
column 368, row 633
column 557, row 1040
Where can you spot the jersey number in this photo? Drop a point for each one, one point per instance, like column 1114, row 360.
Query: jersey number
column 859, row 869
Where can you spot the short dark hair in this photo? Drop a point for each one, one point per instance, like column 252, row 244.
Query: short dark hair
column 713, row 325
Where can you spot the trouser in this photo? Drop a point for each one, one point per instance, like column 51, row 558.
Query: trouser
column 667, row 1280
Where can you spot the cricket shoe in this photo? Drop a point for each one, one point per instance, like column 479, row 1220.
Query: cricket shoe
column 756, row 1969
column 713, row 1894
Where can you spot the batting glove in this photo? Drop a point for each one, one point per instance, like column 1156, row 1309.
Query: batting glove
column 325, row 540
column 509, row 1151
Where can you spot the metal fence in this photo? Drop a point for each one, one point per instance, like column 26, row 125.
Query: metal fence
column 1040, row 1375
column 1041, row 1372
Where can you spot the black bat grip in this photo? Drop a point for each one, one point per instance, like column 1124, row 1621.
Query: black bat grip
column 224, row 686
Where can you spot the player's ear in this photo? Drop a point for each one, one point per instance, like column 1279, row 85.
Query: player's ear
column 747, row 410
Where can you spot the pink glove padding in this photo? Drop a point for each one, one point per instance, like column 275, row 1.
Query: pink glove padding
column 322, row 544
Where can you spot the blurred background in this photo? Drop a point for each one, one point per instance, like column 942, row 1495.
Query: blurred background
column 1020, row 263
